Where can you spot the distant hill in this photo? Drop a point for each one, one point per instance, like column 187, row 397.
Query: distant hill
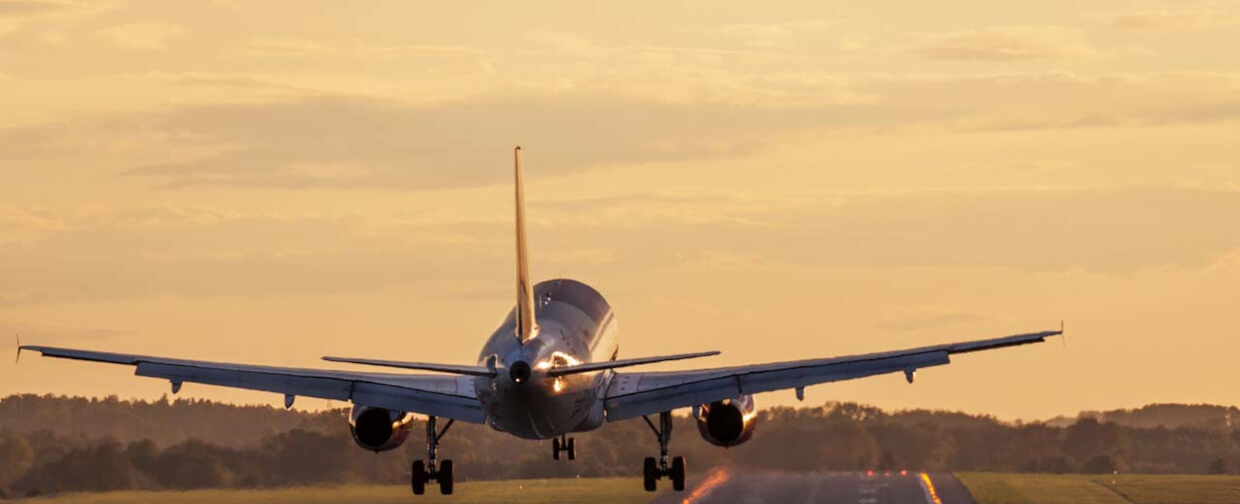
column 1170, row 416
column 51, row 444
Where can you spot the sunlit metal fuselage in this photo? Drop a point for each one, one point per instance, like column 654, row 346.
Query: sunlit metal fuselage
column 576, row 326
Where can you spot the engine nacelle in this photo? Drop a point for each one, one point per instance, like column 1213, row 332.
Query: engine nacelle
column 378, row 429
column 728, row 422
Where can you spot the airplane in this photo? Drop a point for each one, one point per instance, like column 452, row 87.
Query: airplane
column 549, row 370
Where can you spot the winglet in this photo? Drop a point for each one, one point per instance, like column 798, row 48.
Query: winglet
column 1062, row 336
column 18, row 359
column 527, row 326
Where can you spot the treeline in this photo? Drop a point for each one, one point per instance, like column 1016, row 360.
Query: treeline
column 164, row 422
column 1166, row 415
column 39, row 456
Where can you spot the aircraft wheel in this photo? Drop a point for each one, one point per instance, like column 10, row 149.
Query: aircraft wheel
column 678, row 473
column 418, row 478
column 650, row 474
column 445, row 477
column 572, row 449
column 555, row 449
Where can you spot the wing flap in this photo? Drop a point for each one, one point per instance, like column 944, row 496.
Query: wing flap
column 598, row 366
column 635, row 394
column 420, row 401
column 420, row 366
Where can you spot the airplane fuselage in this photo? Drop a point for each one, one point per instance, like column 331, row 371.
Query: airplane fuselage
column 575, row 326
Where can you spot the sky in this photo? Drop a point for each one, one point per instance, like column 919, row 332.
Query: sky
column 269, row 182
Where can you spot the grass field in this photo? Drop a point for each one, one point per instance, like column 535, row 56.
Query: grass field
column 987, row 488
column 1175, row 489
column 601, row 490
column 992, row 488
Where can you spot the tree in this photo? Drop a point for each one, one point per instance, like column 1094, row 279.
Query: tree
column 1099, row 464
column 1218, row 466
column 15, row 457
column 1087, row 437
column 887, row 461
column 192, row 464
column 95, row 468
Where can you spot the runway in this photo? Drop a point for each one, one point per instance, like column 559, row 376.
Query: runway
column 732, row 485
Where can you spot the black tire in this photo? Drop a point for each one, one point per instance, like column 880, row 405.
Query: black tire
column 445, row 477
column 572, row 449
column 650, row 474
column 678, row 474
column 418, row 479
column 555, row 449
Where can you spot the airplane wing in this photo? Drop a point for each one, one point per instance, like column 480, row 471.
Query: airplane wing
column 439, row 395
column 636, row 394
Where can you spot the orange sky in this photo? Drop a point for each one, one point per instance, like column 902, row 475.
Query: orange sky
column 269, row 182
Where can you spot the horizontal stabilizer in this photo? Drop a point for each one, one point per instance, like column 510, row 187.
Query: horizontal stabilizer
column 420, row 366
column 597, row 366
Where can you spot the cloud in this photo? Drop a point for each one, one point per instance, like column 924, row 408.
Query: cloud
column 1010, row 43
column 1175, row 20
column 196, row 252
column 31, row 8
column 56, row 335
column 348, row 142
column 284, row 47
column 1225, row 110
column 248, row 83
column 922, row 318
column 1029, row 124
column 274, row 46
column 143, row 36
column 16, row 14
column 1101, row 229
column 308, row 140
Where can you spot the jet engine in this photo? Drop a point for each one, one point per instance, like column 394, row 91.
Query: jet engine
column 728, row 422
column 378, row 429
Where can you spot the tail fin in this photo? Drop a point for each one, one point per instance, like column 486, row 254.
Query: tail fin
column 527, row 327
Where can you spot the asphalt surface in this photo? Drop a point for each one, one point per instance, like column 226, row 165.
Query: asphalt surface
column 727, row 485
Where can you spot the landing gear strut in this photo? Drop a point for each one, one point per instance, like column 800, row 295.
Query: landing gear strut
column 424, row 472
column 564, row 444
column 653, row 471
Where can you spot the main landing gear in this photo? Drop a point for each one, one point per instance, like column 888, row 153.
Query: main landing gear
column 424, row 472
column 653, row 471
column 564, row 444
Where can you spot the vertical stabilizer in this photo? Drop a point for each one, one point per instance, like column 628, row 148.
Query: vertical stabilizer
column 527, row 327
